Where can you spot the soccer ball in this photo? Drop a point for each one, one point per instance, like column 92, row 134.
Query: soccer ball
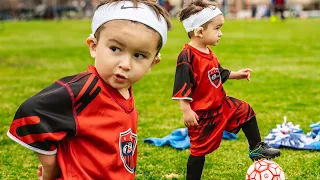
column 265, row 170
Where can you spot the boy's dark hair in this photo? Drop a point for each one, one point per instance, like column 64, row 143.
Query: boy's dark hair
column 192, row 7
column 159, row 10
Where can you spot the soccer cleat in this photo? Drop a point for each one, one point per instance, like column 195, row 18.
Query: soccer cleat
column 263, row 150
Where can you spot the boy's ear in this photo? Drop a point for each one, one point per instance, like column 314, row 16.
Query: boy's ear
column 92, row 45
column 198, row 32
column 154, row 62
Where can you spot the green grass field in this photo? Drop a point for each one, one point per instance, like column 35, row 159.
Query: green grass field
column 286, row 81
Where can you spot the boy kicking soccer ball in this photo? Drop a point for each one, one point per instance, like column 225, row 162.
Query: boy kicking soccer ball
column 207, row 110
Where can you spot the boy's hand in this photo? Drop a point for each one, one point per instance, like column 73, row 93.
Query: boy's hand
column 39, row 173
column 243, row 73
column 48, row 168
column 190, row 118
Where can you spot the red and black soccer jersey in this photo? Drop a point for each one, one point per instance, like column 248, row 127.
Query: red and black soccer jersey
column 199, row 79
column 90, row 126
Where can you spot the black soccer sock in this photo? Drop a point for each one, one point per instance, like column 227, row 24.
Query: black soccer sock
column 251, row 130
column 194, row 167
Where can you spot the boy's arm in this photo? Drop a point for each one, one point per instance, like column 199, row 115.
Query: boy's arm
column 41, row 122
column 44, row 119
column 184, row 105
column 50, row 168
column 241, row 74
column 182, row 89
column 190, row 118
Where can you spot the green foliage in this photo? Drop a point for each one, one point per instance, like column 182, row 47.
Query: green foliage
column 284, row 57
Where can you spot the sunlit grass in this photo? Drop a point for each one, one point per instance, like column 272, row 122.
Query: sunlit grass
column 286, row 81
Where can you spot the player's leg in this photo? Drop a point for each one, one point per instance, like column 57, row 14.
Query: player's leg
column 251, row 130
column 194, row 167
column 204, row 139
column 282, row 12
column 276, row 11
column 257, row 149
column 240, row 115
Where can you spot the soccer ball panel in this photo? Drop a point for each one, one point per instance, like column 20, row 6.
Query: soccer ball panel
column 273, row 170
column 255, row 176
column 262, row 168
column 251, row 169
column 282, row 175
column 266, row 175
column 265, row 170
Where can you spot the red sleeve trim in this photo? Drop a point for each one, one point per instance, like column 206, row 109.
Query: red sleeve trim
column 30, row 147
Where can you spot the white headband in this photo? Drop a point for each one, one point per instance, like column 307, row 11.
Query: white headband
column 126, row 11
column 196, row 20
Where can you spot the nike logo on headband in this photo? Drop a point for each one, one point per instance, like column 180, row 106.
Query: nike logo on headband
column 128, row 7
column 213, row 7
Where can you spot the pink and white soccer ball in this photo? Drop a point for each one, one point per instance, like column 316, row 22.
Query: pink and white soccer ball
column 265, row 170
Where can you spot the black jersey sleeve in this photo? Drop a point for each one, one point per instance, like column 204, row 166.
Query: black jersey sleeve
column 224, row 73
column 44, row 119
column 184, row 78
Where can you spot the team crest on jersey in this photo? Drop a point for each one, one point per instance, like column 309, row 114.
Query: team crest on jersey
column 127, row 145
column 214, row 77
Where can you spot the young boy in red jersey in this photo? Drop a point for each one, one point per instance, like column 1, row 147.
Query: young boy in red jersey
column 207, row 111
column 84, row 126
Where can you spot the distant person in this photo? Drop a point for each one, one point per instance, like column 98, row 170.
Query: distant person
column 297, row 9
column 279, row 7
column 225, row 9
column 268, row 11
column 88, row 9
column 253, row 10
column 84, row 126
column 262, row 11
column 207, row 110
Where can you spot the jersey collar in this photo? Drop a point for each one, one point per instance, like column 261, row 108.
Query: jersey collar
column 126, row 104
column 209, row 56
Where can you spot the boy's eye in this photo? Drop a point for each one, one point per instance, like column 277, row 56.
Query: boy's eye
column 139, row 56
column 115, row 49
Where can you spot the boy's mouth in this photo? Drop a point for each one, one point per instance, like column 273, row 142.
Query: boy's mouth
column 120, row 78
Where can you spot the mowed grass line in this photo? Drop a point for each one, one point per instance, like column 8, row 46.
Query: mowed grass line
column 286, row 81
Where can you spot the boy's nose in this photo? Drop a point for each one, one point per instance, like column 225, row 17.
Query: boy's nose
column 125, row 63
